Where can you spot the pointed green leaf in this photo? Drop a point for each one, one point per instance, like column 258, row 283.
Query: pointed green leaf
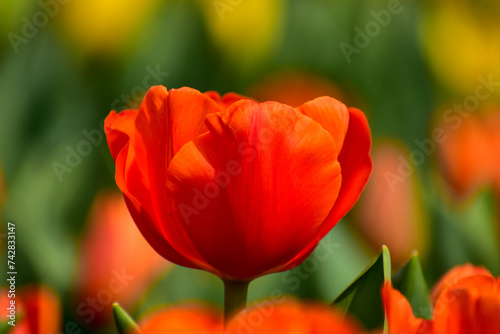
column 362, row 298
column 411, row 283
column 124, row 322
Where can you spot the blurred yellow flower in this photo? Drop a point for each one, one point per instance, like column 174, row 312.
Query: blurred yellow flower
column 244, row 30
column 461, row 40
column 103, row 26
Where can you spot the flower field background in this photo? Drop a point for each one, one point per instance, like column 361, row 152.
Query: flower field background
column 425, row 73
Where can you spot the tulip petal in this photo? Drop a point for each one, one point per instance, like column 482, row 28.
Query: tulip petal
column 354, row 158
column 226, row 100
column 292, row 317
column 356, row 164
column 488, row 313
column 253, row 192
column 331, row 114
column 120, row 129
column 164, row 122
column 155, row 239
column 120, row 134
column 183, row 320
column 453, row 276
column 469, row 306
column 400, row 318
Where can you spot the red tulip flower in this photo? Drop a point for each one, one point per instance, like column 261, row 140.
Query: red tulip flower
column 235, row 187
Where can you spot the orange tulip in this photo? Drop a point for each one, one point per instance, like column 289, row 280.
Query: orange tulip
column 469, row 154
column 117, row 264
column 183, row 320
column 494, row 131
column 400, row 318
column 466, row 301
column 287, row 317
column 453, row 276
column 471, row 306
column 389, row 211
column 37, row 310
column 242, row 189
column 290, row 317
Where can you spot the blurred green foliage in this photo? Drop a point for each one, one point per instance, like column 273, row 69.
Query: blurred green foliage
column 50, row 92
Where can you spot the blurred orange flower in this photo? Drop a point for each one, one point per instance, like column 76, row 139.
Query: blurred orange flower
column 240, row 191
column 267, row 317
column 469, row 156
column 294, row 88
column 390, row 211
column 37, row 310
column 453, row 276
column 290, row 317
column 117, row 264
column 183, row 320
column 466, row 301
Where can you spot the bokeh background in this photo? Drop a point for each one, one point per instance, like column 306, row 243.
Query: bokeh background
column 426, row 73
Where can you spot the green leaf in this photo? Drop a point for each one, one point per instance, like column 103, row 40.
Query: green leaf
column 4, row 327
column 411, row 283
column 124, row 322
column 362, row 298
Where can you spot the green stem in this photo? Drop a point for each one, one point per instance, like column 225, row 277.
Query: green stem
column 235, row 297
